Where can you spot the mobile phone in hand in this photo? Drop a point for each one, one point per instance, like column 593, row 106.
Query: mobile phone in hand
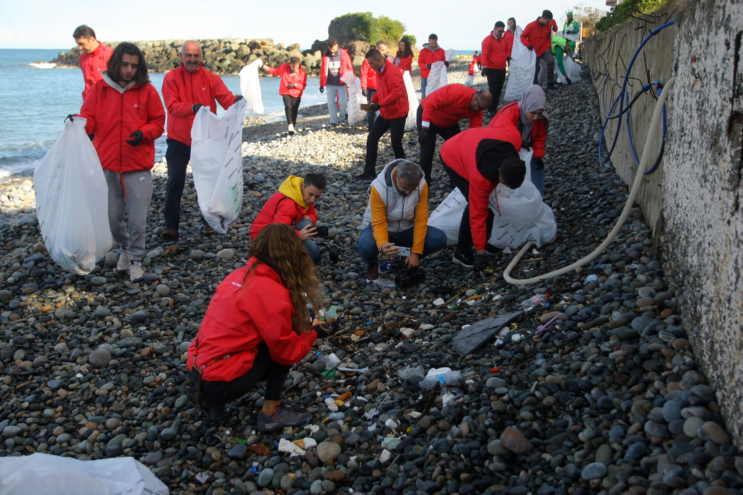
column 365, row 106
column 403, row 251
column 322, row 231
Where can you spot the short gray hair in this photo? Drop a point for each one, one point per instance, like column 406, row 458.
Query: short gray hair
column 409, row 173
column 191, row 41
column 380, row 43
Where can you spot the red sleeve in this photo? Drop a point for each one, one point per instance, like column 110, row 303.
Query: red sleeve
column 525, row 36
column 286, row 212
column 302, row 81
column 479, row 201
column 539, row 138
column 274, row 322
column 485, row 52
column 88, row 110
column 175, row 107
column 272, row 71
column 364, row 73
column 155, row 125
column 430, row 105
column 223, row 95
column 422, row 59
column 475, row 120
column 324, row 71
column 406, row 64
column 396, row 87
column 349, row 64
column 554, row 25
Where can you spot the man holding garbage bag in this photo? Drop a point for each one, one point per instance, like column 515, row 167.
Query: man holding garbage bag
column 440, row 113
column 293, row 82
column 185, row 90
column 126, row 115
column 430, row 53
column 494, row 53
column 536, row 37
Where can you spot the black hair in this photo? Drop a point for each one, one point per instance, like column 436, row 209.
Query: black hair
column 114, row 63
column 513, row 171
column 83, row 32
column 332, row 42
column 547, row 15
column 433, row 37
column 373, row 52
column 408, row 51
column 512, row 19
column 499, row 24
column 294, row 60
column 317, row 180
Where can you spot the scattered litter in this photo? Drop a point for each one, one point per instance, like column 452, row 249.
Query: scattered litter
column 439, row 302
column 390, row 443
column 331, row 361
column 407, row 331
column 385, row 457
column 390, row 423
column 308, row 443
column 345, row 369
column 415, row 414
column 290, row 447
column 447, row 398
column 426, row 326
column 591, row 278
column 331, row 405
column 370, row 414
column 444, row 376
column 202, row 477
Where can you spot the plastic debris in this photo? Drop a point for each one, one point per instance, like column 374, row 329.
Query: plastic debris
column 390, row 443
column 290, row 447
column 439, row 302
column 331, row 405
column 385, row 456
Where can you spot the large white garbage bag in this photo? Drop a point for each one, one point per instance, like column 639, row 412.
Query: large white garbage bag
column 521, row 69
column 470, row 81
column 411, row 121
column 43, row 474
column 216, row 162
column 448, row 215
column 438, row 78
column 72, row 201
column 250, row 86
column 355, row 98
column 571, row 67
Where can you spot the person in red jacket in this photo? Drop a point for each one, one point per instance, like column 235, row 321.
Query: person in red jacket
column 430, row 53
column 440, row 113
column 404, row 56
column 185, row 90
column 124, row 112
column 508, row 37
column 294, row 205
column 94, row 56
column 369, row 80
column 529, row 117
column 494, row 63
column 537, row 36
column 257, row 326
column 391, row 100
column 335, row 63
column 293, row 82
column 477, row 161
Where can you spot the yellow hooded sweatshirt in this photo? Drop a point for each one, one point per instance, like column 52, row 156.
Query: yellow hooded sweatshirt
column 291, row 188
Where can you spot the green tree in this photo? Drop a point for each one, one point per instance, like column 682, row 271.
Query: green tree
column 629, row 9
column 356, row 26
column 411, row 39
column 390, row 30
column 588, row 16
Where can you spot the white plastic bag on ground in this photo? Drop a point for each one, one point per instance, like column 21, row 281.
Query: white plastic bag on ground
column 521, row 69
column 572, row 69
column 438, row 78
column 250, row 86
column 448, row 215
column 411, row 121
column 470, row 81
column 72, row 201
column 216, row 162
column 355, row 99
column 43, row 474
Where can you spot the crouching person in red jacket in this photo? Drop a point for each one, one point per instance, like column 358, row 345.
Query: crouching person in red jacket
column 293, row 82
column 126, row 115
column 256, row 328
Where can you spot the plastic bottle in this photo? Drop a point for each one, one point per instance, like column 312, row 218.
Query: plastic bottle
column 383, row 267
column 535, row 301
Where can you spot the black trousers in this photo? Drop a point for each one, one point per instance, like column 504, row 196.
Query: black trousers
column 428, row 148
column 177, row 156
column 381, row 125
column 264, row 369
column 370, row 116
column 291, row 107
column 496, row 77
column 465, row 242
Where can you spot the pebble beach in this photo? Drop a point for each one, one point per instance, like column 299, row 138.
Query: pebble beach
column 608, row 399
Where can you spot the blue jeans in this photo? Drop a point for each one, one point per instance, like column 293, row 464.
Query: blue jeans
column 537, row 177
column 367, row 247
column 424, row 83
column 309, row 245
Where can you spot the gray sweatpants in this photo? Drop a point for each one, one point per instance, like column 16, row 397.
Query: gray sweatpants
column 547, row 68
column 139, row 192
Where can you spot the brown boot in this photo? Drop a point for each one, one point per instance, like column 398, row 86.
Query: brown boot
column 372, row 273
column 170, row 235
column 209, row 230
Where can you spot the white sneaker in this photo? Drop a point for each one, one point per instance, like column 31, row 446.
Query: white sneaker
column 136, row 272
column 124, row 259
column 290, row 129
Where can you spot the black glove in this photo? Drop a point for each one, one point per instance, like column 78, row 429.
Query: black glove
column 480, row 261
column 326, row 329
column 568, row 80
column 446, row 63
column 374, row 107
column 91, row 137
column 525, row 145
column 137, row 138
column 195, row 108
column 428, row 66
column 539, row 163
column 530, row 48
column 363, row 92
column 508, row 59
column 71, row 117
column 485, row 72
column 238, row 98
column 423, row 135
column 322, row 89
column 291, row 86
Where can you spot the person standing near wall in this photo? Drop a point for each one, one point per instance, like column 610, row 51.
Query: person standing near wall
column 430, row 54
column 335, row 63
column 94, row 56
column 293, row 82
column 369, row 80
column 493, row 59
column 536, row 37
column 571, row 30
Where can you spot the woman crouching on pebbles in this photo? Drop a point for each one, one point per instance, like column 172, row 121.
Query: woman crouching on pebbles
column 256, row 328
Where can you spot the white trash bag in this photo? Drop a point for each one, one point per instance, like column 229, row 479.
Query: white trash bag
column 43, row 474
column 572, row 69
column 216, row 162
column 355, row 98
column 438, row 78
column 250, row 86
column 448, row 215
column 72, row 201
column 411, row 122
column 470, row 81
column 521, row 69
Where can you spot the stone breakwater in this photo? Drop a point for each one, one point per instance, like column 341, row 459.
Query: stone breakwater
column 610, row 399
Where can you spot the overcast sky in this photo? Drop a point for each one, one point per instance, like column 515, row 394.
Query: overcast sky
column 50, row 23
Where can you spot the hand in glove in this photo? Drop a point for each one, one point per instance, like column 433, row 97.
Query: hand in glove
column 291, row 86
column 428, row 66
column 238, row 98
column 446, row 63
column 363, row 92
column 374, row 107
column 525, row 145
column 322, row 89
column 71, row 117
column 326, row 329
column 530, row 48
column 568, row 80
column 508, row 59
column 539, row 162
column 195, row 108
column 423, row 135
column 136, row 136
column 481, row 260
column 485, row 72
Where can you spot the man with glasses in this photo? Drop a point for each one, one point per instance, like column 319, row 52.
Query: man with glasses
column 440, row 113
column 494, row 53
column 397, row 216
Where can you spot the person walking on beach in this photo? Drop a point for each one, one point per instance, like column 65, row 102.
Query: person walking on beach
column 430, row 54
column 404, row 56
column 293, row 82
column 257, row 326
column 335, row 63
column 391, row 100
column 94, row 56
column 185, row 90
column 369, row 80
column 536, row 37
column 126, row 115
column 440, row 113
column 494, row 63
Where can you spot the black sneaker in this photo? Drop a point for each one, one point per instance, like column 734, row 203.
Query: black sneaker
column 282, row 417
column 216, row 413
column 365, row 176
column 492, row 250
column 464, row 259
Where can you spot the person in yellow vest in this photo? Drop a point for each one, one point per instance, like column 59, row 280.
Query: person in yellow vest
column 560, row 47
column 571, row 29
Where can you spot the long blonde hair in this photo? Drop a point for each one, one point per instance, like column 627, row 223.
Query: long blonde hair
column 278, row 247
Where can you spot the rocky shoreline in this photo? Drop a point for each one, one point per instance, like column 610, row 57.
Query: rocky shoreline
column 608, row 400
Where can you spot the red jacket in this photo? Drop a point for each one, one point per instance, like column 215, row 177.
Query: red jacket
column 368, row 76
column 460, row 154
column 511, row 114
column 448, row 105
column 493, row 52
column 113, row 115
column 538, row 36
column 428, row 56
column 508, row 38
column 299, row 79
column 391, row 93
column 182, row 90
column 405, row 63
column 346, row 65
column 242, row 314
column 93, row 64
column 281, row 209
